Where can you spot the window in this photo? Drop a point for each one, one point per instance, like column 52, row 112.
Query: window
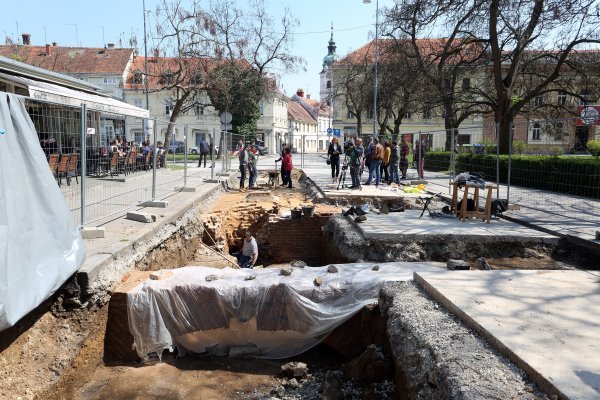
column 538, row 101
column 586, row 97
column 168, row 108
column 196, row 80
column 537, row 131
column 109, row 80
column 167, row 78
column 328, row 84
column 464, row 139
column 138, row 103
column 199, row 110
column 261, row 107
column 559, row 128
column 138, row 78
column 408, row 115
column 466, row 84
column 562, row 98
column 427, row 112
column 350, row 114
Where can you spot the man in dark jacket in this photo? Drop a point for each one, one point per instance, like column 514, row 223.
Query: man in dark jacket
column 356, row 155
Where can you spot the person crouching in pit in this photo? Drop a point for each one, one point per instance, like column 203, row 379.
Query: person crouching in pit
column 247, row 256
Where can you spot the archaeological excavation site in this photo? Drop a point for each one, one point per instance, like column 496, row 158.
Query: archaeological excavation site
column 393, row 305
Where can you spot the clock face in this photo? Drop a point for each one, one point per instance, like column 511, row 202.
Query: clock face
column 589, row 115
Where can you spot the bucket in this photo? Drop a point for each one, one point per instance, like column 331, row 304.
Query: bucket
column 308, row 211
column 296, row 214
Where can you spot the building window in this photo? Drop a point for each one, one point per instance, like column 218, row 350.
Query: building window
column 559, row 128
column 138, row 78
column 199, row 110
column 408, row 115
column 466, row 84
column 464, row 139
column 350, row 114
column 562, row 98
column 167, row 78
column 196, row 80
column 168, row 108
column 537, row 131
column 585, row 97
column 138, row 103
column 328, row 84
column 427, row 112
column 109, row 80
column 261, row 107
column 538, row 101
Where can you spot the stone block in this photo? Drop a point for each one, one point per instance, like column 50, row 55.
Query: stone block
column 155, row 204
column 185, row 189
column 141, row 217
column 162, row 274
column 458, row 265
column 92, row 232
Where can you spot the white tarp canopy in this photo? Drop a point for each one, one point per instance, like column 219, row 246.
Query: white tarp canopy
column 280, row 315
column 70, row 97
column 40, row 246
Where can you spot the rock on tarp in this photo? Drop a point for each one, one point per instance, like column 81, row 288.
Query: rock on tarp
column 281, row 315
column 40, row 246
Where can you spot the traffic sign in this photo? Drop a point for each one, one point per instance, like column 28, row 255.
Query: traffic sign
column 226, row 118
column 329, row 130
column 337, row 132
column 226, row 127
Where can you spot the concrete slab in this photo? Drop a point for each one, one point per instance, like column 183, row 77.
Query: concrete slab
column 141, row 217
column 546, row 322
column 155, row 204
column 408, row 224
column 92, row 232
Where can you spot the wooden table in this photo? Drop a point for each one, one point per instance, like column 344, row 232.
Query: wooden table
column 463, row 213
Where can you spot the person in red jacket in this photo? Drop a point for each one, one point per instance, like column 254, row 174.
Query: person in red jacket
column 287, row 166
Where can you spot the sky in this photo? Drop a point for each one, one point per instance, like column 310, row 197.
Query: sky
column 93, row 23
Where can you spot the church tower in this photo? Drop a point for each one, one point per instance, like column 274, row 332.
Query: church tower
column 326, row 90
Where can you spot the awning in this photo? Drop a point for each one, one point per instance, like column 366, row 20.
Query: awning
column 70, row 97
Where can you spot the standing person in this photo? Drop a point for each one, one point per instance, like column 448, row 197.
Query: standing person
column 377, row 159
column 420, row 158
column 243, row 158
column 281, row 155
column 333, row 154
column 404, row 151
column 249, row 253
column 394, row 159
column 287, row 166
column 204, row 149
column 368, row 157
column 386, row 161
column 252, row 160
column 356, row 156
column 239, row 146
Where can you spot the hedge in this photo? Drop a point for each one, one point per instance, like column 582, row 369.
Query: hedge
column 579, row 176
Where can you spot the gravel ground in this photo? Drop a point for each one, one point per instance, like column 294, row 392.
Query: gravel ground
column 437, row 357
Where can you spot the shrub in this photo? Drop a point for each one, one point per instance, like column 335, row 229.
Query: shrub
column 593, row 147
column 518, row 147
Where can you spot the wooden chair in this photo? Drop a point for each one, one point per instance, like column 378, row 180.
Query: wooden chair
column 72, row 168
column 133, row 161
column 53, row 163
column 63, row 166
column 114, row 164
column 148, row 161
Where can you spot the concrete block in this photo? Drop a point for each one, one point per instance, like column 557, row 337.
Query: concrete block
column 92, row 232
column 141, row 217
column 458, row 265
column 243, row 351
column 155, row 204
column 185, row 189
column 162, row 274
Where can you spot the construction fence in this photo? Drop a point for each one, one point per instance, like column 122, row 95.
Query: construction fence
column 106, row 164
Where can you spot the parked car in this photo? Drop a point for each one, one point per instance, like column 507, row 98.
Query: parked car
column 196, row 150
column 261, row 148
column 176, row 147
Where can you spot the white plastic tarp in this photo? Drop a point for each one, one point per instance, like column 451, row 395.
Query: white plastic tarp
column 40, row 246
column 281, row 315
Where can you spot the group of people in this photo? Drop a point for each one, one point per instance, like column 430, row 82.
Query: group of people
column 386, row 162
column 248, row 159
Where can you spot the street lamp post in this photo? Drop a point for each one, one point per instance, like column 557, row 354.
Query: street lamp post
column 376, row 62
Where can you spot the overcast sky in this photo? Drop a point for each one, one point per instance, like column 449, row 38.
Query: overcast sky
column 93, row 23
